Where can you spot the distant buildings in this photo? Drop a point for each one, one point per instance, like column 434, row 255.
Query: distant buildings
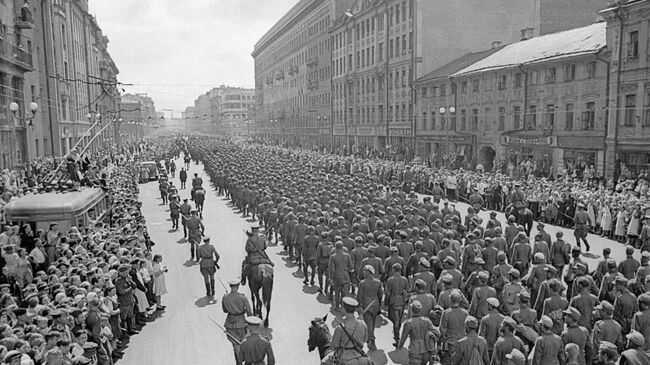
column 222, row 108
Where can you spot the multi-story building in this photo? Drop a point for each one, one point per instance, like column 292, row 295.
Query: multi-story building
column 188, row 113
column 628, row 132
column 292, row 74
column 17, row 68
column 221, row 108
column 377, row 49
column 542, row 99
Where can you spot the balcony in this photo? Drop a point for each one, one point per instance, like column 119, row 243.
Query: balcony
column 16, row 55
column 24, row 18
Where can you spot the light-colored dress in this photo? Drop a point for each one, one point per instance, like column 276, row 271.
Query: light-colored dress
column 141, row 296
column 159, row 287
column 606, row 221
column 592, row 214
column 634, row 225
column 23, row 272
column 620, row 223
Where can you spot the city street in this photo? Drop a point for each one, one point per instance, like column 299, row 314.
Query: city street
column 185, row 323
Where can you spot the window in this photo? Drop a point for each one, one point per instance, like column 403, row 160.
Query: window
column 502, row 118
column 473, row 120
column 397, row 14
column 591, row 69
column 549, row 117
column 646, row 112
column 519, row 80
column 390, row 48
column 630, row 109
column 568, row 117
column 569, row 72
column 463, row 119
column 404, row 44
column 423, row 121
column 404, row 11
column 443, row 90
column 531, row 122
column 489, row 80
column 463, row 87
column 475, row 85
column 502, row 82
column 381, row 52
column 516, row 112
column 633, row 45
column 550, row 75
column 532, row 77
column 487, row 122
column 424, row 92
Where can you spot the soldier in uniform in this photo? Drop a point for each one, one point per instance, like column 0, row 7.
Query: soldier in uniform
column 255, row 253
column 183, row 177
column 323, row 253
column 582, row 223
column 549, row 349
column 419, row 329
column 195, row 231
column 452, row 327
column 340, row 266
column 236, row 306
column 185, row 210
column 208, row 265
column 370, row 296
column 574, row 333
column 125, row 287
column 199, row 199
column 396, row 297
column 174, row 212
column 255, row 347
column 350, row 335
column 466, row 345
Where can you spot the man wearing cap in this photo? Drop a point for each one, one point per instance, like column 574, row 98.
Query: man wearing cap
column 607, row 353
column 13, row 357
column 478, row 305
column 444, row 298
column 582, row 222
column 182, row 175
column 426, row 276
column 635, row 354
column 470, row 341
column 506, row 343
column 209, row 261
column 421, row 334
column 427, row 300
column 606, row 329
column 584, row 302
column 255, row 252
column 560, row 252
column 340, row 267
column 350, row 335
column 509, row 294
column 94, row 327
column 125, row 295
column 370, row 296
column 490, row 324
column 255, row 347
column 641, row 319
column 452, row 326
column 195, row 230
column 396, row 298
column 174, row 212
column 236, row 306
column 626, row 305
column 574, row 333
column 549, row 349
column 629, row 266
column 185, row 211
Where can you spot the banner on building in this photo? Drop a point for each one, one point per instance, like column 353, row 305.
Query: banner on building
column 539, row 141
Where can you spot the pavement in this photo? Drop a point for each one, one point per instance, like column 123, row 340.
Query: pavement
column 183, row 333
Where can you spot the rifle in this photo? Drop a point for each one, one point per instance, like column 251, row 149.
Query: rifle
column 224, row 331
column 368, row 307
column 224, row 285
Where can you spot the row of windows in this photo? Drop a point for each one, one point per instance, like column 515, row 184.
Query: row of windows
column 549, row 76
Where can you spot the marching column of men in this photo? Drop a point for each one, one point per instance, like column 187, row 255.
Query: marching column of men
column 487, row 282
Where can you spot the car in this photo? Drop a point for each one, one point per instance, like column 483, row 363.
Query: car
column 152, row 168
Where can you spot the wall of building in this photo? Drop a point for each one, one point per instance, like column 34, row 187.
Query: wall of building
column 559, row 15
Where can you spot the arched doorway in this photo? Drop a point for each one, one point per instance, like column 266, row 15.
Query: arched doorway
column 486, row 157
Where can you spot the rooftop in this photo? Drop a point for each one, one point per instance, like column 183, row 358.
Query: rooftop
column 457, row 64
column 574, row 42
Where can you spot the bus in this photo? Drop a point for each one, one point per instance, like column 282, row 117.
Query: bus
column 68, row 209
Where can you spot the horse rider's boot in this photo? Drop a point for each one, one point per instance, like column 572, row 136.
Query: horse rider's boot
column 243, row 274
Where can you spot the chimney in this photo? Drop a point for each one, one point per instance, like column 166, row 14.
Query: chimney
column 496, row 44
column 527, row 33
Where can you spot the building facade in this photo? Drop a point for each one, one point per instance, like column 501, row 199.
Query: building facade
column 517, row 104
column 628, row 133
column 377, row 49
column 221, row 109
column 293, row 74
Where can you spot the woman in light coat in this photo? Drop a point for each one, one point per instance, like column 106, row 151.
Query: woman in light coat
column 159, row 287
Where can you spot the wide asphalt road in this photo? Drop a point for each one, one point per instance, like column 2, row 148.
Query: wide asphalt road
column 183, row 333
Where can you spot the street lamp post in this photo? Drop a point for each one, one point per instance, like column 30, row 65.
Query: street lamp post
column 96, row 116
column 445, row 119
column 26, row 121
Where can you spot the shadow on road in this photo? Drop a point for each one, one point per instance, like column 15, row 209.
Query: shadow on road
column 182, row 240
column 307, row 289
column 251, row 220
column 172, row 230
column 590, row 255
column 190, row 263
column 202, row 302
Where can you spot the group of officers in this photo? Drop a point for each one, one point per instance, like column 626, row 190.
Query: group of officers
column 461, row 291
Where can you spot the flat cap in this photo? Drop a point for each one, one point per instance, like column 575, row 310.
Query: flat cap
column 253, row 321
column 516, row 357
column 605, row 306
column 546, row 321
column 471, row 322
column 636, row 338
column 350, row 301
column 493, row 302
column 424, row 262
column 572, row 312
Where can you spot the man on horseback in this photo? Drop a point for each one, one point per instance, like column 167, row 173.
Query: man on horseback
column 255, row 253
column 349, row 336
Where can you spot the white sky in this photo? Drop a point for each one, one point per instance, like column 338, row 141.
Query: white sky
column 176, row 50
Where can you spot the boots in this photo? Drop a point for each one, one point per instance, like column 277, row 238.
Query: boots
column 212, row 287
column 208, row 293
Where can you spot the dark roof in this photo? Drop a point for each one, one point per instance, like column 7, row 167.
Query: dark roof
column 457, row 64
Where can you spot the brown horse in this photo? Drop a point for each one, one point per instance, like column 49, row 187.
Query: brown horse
column 320, row 338
column 261, row 277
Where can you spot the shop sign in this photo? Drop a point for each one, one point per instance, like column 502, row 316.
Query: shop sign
column 339, row 130
column 540, row 141
column 402, row 132
column 365, row 131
